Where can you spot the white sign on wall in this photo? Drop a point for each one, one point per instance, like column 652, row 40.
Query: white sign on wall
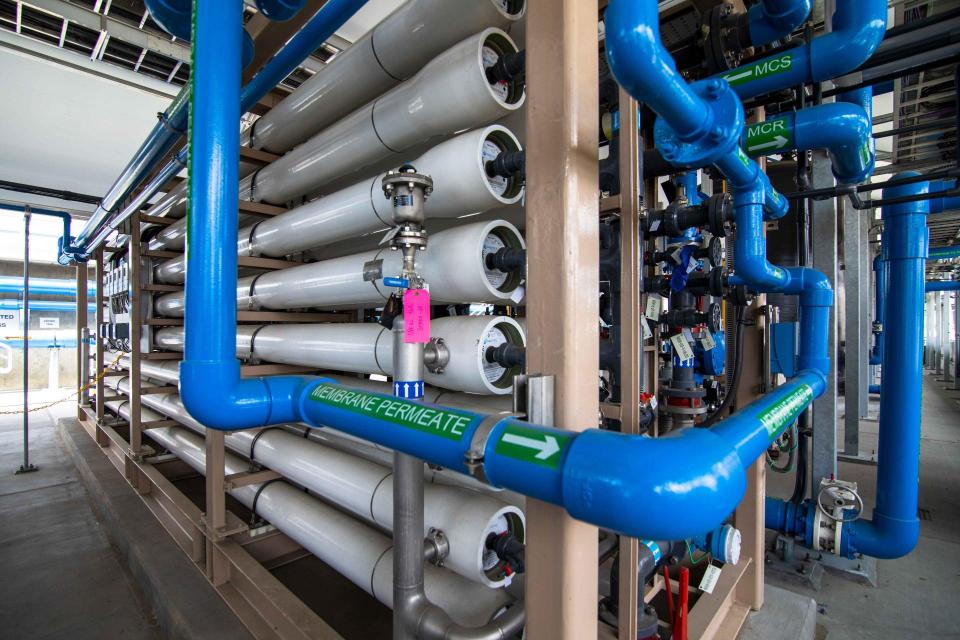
column 10, row 320
column 49, row 323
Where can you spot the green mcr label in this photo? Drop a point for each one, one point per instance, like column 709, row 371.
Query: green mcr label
column 446, row 423
column 531, row 445
column 784, row 412
column 769, row 137
column 762, row 69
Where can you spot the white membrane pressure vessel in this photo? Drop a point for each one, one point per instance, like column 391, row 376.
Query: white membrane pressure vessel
column 393, row 51
column 450, row 94
column 365, row 489
column 454, row 266
column 461, row 187
column 368, row 348
column 353, row 549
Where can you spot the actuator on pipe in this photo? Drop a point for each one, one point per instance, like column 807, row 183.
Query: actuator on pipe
column 393, row 51
column 455, row 266
column 422, row 108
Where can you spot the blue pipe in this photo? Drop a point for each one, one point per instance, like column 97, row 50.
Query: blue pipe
column 944, row 203
column 944, row 253
column 698, row 124
column 773, row 20
column 43, row 305
column 65, row 243
column 173, row 121
column 858, row 28
column 43, row 286
column 843, row 129
column 622, row 482
column 894, row 530
column 874, row 389
column 942, row 285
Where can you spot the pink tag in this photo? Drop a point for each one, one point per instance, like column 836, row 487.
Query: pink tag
column 416, row 315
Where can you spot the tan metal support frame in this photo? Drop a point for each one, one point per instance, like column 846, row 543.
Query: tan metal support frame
column 631, row 337
column 563, row 289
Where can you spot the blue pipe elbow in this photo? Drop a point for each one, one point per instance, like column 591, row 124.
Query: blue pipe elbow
column 943, row 204
column 774, row 20
column 858, row 29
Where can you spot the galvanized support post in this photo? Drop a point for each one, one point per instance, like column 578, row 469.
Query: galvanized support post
column 631, row 338
column 956, row 342
column 136, row 312
column 25, row 466
column 83, row 347
column 98, row 316
column 825, row 252
column 856, row 288
column 563, row 289
column 866, row 305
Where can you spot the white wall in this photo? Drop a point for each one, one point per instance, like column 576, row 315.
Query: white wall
column 68, row 129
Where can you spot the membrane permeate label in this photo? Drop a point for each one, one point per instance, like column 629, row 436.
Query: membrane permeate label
column 780, row 415
column 446, row 423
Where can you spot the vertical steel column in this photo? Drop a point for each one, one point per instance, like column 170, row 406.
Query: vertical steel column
column 856, row 293
column 83, row 351
column 631, row 338
column 937, row 307
column 136, row 297
column 25, row 466
column 563, row 291
column 825, row 251
column 866, row 335
column 98, row 318
column 945, row 335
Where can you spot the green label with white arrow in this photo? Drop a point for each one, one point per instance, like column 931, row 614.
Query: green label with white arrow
column 769, row 137
column 761, row 69
column 782, row 414
column 532, row 445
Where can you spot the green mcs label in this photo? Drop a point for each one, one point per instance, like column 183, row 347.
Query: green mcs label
column 762, row 69
column 783, row 413
column 531, row 445
column 769, row 137
column 446, row 423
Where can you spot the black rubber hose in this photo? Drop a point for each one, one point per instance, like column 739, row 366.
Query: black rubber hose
column 735, row 382
column 800, row 480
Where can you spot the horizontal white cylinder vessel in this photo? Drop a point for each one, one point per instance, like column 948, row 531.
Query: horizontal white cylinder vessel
column 356, row 551
column 461, row 187
column 453, row 266
column 448, row 95
column 366, row 489
column 368, row 348
column 394, row 50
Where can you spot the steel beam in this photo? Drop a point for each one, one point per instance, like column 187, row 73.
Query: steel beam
column 563, row 289
column 825, row 252
column 856, row 284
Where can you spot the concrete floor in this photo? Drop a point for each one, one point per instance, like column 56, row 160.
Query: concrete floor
column 61, row 577
column 916, row 596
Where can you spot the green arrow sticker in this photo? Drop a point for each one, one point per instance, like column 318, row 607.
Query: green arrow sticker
column 769, row 137
column 446, row 423
column 762, row 69
column 531, row 445
column 782, row 414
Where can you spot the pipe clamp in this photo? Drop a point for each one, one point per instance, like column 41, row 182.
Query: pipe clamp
column 473, row 459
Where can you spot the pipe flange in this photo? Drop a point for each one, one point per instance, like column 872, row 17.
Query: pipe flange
column 473, row 459
column 718, row 137
column 436, row 355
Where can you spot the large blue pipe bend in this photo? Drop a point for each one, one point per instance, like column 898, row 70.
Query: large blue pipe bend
column 675, row 487
column 697, row 125
column 773, row 20
column 843, row 129
column 894, row 529
column 858, row 28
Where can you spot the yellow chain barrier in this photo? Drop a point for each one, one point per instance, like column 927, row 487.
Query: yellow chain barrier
column 85, row 387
